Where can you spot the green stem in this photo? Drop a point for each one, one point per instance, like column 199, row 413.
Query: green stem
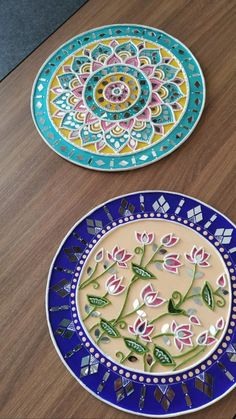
column 186, row 353
column 132, row 312
column 126, row 357
column 142, row 257
column 192, row 296
column 189, row 359
column 152, row 366
column 191, row 284
column 159, row 317
column 93, row 327
column 90, row 280
column 154, row 254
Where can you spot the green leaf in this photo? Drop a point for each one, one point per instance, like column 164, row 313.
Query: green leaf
column 135, row 346
column 163, row 356
column 98, row 301
column 109, row 329
column 142, row 272
column 208, row 296
column 173, row 309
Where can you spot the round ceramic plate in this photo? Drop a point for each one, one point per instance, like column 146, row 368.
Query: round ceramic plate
column 141, row 303
column 118, row 97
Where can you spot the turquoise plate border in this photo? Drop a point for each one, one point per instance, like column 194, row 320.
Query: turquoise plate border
column 137, row 159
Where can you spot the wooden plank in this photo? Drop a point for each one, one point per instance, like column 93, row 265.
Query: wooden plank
column 43, row 195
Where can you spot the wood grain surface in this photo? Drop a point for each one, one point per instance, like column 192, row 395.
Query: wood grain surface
column 42, row 196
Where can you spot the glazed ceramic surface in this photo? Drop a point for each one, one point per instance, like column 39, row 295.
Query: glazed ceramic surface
column 118, row 97
column 141, row 303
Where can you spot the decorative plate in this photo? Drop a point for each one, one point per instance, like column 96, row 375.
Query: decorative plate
column 141, row 303
column 118, row 97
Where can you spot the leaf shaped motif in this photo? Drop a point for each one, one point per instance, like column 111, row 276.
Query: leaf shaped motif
column 208, row 296
column 163, row 356
column 142, row 272
column 109, row 329
column 98, row 301
column 134, row 346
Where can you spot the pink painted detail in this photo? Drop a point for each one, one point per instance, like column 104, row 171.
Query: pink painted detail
column 205, row 339
column 144, row 238
column 198, row 256
column 96, row 65
column 74, row 134
column 169, row 240
column 121, row 256
column 113, row 59
column 78, row 91
column 100, row 145
column 59, row 114
column 142, row 329
column 128, row 125
column 134, row 61
column 221, row 281
column 114, row 44
column 80, row 106
column 67, row 69
column 106, row 126
column 57, row 90
column 156, row 83
column 155, row 100
column 90, row 118
column 148, row 70
column 172, row 263
column 145, row 115
column 132, row 143
column 182, row 335
column 114, row 285
column 150, row 297
column 220, row 323
column 194, row 320
column 83, row 77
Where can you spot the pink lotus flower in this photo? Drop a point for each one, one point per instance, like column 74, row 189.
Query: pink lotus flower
column 182, row 335
column 144, row 238
column 142, row 329
column 198, row 256
column 205, row 339
column 99, row 255
column 172, row 263
column 113, row 285
column 220, row 323
column 194, row 320
column 150, row 297
column 169, row 240
column 121, row 256
column 221, row 281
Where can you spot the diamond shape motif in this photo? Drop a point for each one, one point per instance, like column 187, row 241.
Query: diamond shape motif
column 65, row 329
column 231, row 352
column 94, row 226
column 123, row 388
column 161, row 205
column 164, row 395
column 89, row 365
column 126, row 208
column 204, row 383
column 224, row 235
column 62, row 288
column 195, row 214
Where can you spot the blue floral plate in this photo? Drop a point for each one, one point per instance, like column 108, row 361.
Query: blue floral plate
column 141, row 303
column 118, row 97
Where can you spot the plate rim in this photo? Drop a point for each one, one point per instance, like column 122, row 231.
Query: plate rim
column 116, row 406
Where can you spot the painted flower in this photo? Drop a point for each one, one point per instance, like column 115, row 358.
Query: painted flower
column 150, row 297
column 171, row 263
column 198, row 256
column 99, row 255
column 113, row 285
column 118, row 95
column 144, row 238
column 221, row 281
column 182, row 335
column 205, row 339
column 141, row 328
column 169, row 240
column 121, row 256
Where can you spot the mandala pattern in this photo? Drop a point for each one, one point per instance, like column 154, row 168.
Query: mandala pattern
column 121, row 93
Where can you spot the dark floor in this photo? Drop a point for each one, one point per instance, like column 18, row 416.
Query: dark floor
column 24, row 24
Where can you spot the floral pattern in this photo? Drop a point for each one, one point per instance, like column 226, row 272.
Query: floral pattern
column 119, row 95
column 139, row 325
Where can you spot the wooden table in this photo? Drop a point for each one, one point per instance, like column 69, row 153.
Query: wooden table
column 43, row 195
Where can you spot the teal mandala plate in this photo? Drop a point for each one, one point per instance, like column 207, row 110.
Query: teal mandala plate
column 118, row 97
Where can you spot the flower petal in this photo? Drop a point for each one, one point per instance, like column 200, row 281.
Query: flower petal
column 220, row 323
column 113, row 59
column 146, row 290
column 221, row 281
column 194, row 320
column 155, row 100
column 132, row 61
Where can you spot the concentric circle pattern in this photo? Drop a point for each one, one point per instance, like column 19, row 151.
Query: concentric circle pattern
column 118, row 97
column 141, row 303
